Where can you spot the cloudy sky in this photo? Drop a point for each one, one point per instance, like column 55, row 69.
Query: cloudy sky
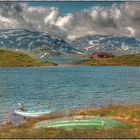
column 70, row 20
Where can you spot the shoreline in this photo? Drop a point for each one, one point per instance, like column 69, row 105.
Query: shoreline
column 76, row 111
column 17, row 59
column 127, row 114
column 69, row 65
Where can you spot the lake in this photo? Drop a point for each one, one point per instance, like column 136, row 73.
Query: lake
column 67, row 87
column 59, row 59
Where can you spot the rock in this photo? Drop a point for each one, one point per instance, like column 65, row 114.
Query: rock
column 21, row 123
column 6, row 123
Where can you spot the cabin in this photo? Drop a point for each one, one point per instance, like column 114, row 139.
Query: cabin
column 97, row 55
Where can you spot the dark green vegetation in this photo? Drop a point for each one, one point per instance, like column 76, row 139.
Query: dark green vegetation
column 124, row 60
column 130, row 115
column 11, row 58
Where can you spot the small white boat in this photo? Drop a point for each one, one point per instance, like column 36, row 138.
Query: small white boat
column 43, row 114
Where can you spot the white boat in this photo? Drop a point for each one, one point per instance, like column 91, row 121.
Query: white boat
column 43, row 113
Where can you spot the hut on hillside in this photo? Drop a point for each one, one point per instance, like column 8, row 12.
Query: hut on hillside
column 97, row 55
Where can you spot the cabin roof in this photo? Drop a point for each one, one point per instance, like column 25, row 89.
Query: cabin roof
column 102, row 53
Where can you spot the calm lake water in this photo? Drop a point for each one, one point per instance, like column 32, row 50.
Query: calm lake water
column 67, row 87
column 59, row 59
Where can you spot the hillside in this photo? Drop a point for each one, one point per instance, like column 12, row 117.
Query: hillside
column 42, row 44
column 10, row 58
column 124, row 60
column 113, row 43
column 39, row 43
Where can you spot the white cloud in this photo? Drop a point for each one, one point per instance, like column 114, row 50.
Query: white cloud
column 65, row 21
column 117, row 13
column 51, row 18
column 131, row 31
column 8, row 21
column 123, row 19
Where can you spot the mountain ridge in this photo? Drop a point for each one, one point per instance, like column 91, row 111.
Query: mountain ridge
column 38, row 42
column 42, row 44
column 115, row 44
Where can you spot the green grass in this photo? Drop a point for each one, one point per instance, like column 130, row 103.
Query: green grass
column 124, row 60
column 127, row 114
column 10, row 58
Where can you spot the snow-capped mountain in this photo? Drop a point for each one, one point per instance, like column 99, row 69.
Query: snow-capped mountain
column 43, row 44
column 37, row 42
column 112, row 43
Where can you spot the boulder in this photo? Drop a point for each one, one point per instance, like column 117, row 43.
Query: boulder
column 6, row 123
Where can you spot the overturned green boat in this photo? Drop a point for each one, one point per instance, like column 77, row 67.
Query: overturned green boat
column 80, row 122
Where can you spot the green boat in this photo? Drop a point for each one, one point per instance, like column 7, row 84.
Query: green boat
column 79, row 122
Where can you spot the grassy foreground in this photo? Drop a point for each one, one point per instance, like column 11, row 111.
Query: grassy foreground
column 127, row 114
column 11, row 58
column 124, row 60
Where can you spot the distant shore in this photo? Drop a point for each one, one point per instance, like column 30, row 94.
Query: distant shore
column 124, row 60
column 18, row 59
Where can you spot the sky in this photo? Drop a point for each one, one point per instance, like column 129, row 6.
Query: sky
column 69, row 6
column 70, row 20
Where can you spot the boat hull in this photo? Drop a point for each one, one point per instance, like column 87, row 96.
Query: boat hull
column 43, row 114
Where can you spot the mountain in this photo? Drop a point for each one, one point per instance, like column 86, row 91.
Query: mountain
column 36, row 42
column 112, row 43
column 43, row 44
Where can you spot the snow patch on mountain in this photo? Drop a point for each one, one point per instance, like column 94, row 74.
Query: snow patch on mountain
column 124, row 47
